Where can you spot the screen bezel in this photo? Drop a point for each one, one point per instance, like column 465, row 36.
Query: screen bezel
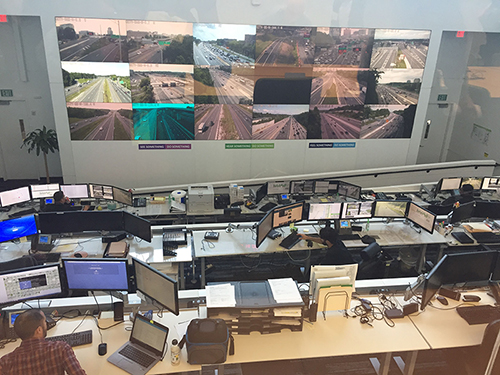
column 27, row 269
column 78, row 197
column 94, row 260
column 173, row 309
column 344, row 208
column 321, row 204
column 374, row 209
column 26, row 190
column 19, row 219
column 414, row 222
column 285, row 207
column 258, row 229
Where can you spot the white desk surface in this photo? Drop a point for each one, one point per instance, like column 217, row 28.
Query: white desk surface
column 336, row 336
column 445, row 328
column 242, row 242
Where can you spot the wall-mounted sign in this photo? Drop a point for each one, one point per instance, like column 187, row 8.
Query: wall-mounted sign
column 6, row 93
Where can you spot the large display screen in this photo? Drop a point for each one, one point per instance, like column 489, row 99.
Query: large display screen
column 10, row 197
column 420, row 216
column 157, row 80
column 17, row 228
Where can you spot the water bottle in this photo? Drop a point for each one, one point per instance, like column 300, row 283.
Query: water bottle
column 175, row 353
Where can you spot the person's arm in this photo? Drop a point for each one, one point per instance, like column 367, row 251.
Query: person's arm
column 71, row 364
column 309, row 238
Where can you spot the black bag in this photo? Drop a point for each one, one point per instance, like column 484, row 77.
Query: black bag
column 207, row 341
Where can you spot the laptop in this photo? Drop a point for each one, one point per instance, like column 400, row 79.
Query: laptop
column 144, row 349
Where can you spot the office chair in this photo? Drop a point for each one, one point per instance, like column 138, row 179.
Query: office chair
column 374, row 262
column 22, row 262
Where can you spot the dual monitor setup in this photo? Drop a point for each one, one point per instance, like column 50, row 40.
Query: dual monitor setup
column 454, row 184
column 343, row 211
column 307, row 188
column 472, row 268
column 98, row 274
column 75, row 222
column 76, row 191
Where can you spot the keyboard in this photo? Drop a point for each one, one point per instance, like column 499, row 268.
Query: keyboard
column 267, row 207
column 47, row 257
column 74, row 339
column 290, row 241
column 347, row 237
column 479, row 314
column 462, row 237
column 27, row 211
column 137, row 356
column 486, row 237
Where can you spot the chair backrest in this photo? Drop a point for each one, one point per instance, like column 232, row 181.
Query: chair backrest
column 488, row 346
column 22, row 262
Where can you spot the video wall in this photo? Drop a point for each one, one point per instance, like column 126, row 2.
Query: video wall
column 151, row 80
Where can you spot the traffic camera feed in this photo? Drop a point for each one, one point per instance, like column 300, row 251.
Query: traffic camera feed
column 238, row 82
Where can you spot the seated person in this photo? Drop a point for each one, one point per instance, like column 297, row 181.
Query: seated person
column 337, row 253
column 62, row 203
column 466, row 196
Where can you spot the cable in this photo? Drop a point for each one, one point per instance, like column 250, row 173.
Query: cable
column 210, row 244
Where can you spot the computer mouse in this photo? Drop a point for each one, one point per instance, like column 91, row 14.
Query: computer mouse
column 366, row 239
column 103, row 349
column 443, row 300
column 309, row 243
column 78, row 255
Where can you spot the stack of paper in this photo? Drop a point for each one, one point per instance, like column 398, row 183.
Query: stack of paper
column 285, row 290
column 177, row 207
column 220, row 295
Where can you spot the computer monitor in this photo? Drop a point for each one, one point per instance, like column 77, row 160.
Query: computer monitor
column 29, row 283
column 76, row 191
column 17, row 228
column 324, row 211
column 80, row 221
column 357, row 210
column 485, row 209
column 349, row 190
column 137, row 226
column 278, row 187
column 261, row 193
column 325, row 187
column 106, row 274
column 392, row 209
column 43, row 191
column 264, row 226
column 462, row 212
column 156, row 286
column 10, row 197
column 421, row 217
column 287, row 214
column 476, row 182
column 449, row 184
column 302, row 187
column 122, row 196
column 101, row 191
column 457, row 268
column 490, row 183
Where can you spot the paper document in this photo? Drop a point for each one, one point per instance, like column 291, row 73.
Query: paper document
column 285, row 290
column 476, row 227
column 288, row 311
column 220, row 295
column 177, row 207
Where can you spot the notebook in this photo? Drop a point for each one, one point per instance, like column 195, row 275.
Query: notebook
column 144, row 349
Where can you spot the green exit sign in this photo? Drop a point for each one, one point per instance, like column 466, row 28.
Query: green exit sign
column 6, row 93
column 164, row 43
column 442, row 97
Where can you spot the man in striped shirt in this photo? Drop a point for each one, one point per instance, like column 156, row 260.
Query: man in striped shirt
column 35, row 356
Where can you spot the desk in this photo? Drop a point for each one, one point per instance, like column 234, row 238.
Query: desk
column 335, row 336
column 445, row 328
column 242, row 242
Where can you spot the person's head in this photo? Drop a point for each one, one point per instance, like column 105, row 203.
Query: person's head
column 328, row 234
column 59, row 197
column 31, row 324
column 467, row 189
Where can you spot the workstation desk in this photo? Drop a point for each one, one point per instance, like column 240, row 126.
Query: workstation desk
column 335, row 336
column 149, row 252
column 242, row 241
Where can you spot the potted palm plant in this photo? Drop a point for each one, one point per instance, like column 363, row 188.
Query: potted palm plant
column 44, row 140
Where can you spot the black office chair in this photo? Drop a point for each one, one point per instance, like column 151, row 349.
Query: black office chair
column 374, row 262
column 22, row 262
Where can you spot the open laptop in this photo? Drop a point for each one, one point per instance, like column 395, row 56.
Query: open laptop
column 144, row 349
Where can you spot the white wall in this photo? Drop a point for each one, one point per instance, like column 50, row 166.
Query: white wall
column 24, row 70
column 121, row 163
